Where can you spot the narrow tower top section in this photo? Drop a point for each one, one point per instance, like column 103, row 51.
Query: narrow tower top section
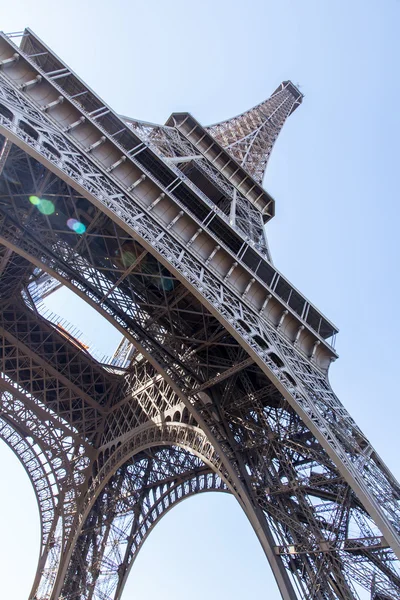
column 250, row 137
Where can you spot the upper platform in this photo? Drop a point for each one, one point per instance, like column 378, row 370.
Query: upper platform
column 208, row 146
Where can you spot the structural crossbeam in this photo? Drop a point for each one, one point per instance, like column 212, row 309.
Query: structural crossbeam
column 224, row 386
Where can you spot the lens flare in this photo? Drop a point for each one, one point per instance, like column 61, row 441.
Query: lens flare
column 79, row 228
column 71, row 223
column 76, row 226
column 46, row 207
column 166, row 284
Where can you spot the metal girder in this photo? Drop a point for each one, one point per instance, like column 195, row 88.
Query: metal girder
column 138, row 495
column 173, row 146
column 229, row 371
column 46, row 364
column 135, row 484
column 56, row 464
column 129, row 303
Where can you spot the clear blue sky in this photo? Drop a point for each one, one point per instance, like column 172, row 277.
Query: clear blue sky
column 334, row 174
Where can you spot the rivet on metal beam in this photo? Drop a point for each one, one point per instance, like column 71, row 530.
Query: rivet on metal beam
column 296, row 340
column 156, row 201
column 285, row 312
column 8, row 61
column 194, row 237
column 59, row 100
column 213, row 253
column 96, row 144
column 136, row 183
column 317, row 343
column 30, row 83
column 176, row 219
column 246, row 291
column 116, row 164
column 75, row 124
column 229, row 273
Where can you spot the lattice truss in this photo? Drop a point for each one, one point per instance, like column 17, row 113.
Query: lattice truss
column 250, row 137
column 185, row 160
column 220, row 392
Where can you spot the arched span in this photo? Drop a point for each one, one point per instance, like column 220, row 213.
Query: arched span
column 45, row 451
column 132, row 317
column 170, row 499
column 297, row 378
column 150, row 435
column 183, row 435
column 39, row 471
column 304, row 386
column 106, row 306
column 138, row 494
column 34, row 463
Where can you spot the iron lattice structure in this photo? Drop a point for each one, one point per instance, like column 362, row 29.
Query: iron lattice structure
column 221, row 382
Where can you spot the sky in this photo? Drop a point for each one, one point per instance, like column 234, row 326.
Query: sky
column 334, row 175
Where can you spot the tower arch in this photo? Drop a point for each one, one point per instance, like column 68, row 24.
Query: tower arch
column 241, row 348
column 42, row 450
column 144, row 478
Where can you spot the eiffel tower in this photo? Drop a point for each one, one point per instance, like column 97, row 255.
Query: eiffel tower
column 221, row 381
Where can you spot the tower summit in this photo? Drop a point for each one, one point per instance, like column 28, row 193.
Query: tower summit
column 221, row 381
column 250, row 137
